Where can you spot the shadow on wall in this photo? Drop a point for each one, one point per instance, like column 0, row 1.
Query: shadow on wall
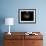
column 2, row 21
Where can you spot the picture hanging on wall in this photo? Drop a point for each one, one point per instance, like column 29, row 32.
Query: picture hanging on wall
column 27, row 16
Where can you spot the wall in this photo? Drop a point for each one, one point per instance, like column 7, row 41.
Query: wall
column 9, row 8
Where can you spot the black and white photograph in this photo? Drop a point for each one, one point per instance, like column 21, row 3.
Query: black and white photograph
column 27, row 15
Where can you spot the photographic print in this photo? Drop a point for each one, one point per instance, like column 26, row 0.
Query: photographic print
column 27, row 15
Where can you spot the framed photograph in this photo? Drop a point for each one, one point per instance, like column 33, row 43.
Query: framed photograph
column 27, row 15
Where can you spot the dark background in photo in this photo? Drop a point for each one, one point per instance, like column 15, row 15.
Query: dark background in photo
column 27, row 16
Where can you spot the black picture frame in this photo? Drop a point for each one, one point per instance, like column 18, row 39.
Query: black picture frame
column 27, row 16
